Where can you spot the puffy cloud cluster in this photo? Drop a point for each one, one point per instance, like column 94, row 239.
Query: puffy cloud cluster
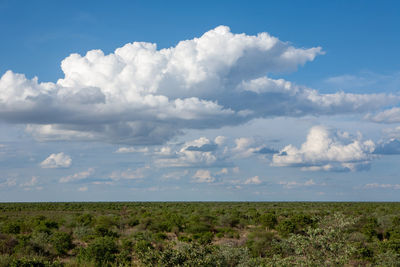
column 141, row 95
column 200, row 152
column 203, row 176
column 253, row 180
column 59, row 160
column 327, row 150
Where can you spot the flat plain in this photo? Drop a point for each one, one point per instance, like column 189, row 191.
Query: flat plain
column 200, row 234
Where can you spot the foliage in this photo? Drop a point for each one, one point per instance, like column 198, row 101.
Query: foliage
column 199, row 234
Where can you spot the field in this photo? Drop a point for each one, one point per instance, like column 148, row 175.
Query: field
column 200, row 234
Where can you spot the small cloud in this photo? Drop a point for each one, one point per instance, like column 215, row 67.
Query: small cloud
column 309, row 182
column 220, row 140
column 32, row 182
column 293, row 184
column 59, row 160
column 77, row 176
column 129, row 174
column 203, row 176
column 83, row 189
column 253, row 180
column 223, row 171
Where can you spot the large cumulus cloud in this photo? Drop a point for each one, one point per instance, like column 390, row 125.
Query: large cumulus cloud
column 142, row 95
column 327, row 150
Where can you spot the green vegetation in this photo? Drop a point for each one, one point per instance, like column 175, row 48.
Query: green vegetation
column 200, row 234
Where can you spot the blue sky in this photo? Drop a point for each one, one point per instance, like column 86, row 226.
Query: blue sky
column 276, row 100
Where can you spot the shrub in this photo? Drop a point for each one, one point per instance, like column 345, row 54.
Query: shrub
column 101, row 251
column 12, row 228
column 286, row 227
column 259, row 242
column 62, row 242
column 302, row 220
column 85, row 219
column 268, row 220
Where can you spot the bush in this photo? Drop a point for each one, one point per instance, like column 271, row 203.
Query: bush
column 101, row 251
column 12, row 228
column 269, row 220
column 62, row 242
column 85, row 219
column 286, row 227
column 259, row 242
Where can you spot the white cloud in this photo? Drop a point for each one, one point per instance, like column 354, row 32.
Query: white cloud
column 244, row 148
column 77, row 176
column 388, row 116
column 223, row 171
column 59, row 160
column 220, row 140
column 132, row 150
column 253, row 180
column 327, row 150
column 32, row 182
column 203, row 176
column 199, row 152
column 140, row 95
column 129, row 174
column 83, row 189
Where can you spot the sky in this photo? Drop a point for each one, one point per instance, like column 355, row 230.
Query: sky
column 199, row 101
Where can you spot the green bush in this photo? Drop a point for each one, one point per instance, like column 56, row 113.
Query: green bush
column 269, row 220
column 11, row 228
column 101, row 251
column 85, row 219
column 259, row 243
column 286, row 227
column 61, row 242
